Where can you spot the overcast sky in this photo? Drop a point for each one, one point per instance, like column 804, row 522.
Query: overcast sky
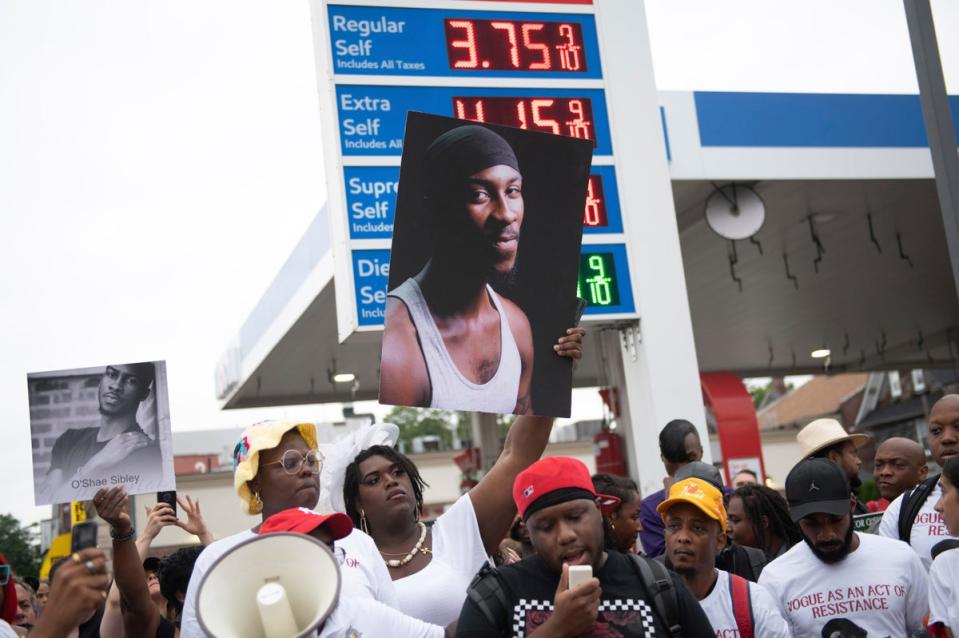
column 159, row 160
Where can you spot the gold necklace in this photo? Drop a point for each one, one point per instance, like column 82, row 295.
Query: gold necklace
column 407, row 557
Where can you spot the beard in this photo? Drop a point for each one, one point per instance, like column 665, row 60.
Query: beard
column 504, row 282
column 855, row 483
column 836, row 554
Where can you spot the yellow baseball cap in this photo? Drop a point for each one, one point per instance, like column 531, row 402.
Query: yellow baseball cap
column 696, row 492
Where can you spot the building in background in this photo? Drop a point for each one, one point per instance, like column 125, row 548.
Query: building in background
column 837, row 397
column 897, row 403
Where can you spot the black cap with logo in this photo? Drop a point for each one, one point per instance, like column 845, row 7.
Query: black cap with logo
column 817, row 486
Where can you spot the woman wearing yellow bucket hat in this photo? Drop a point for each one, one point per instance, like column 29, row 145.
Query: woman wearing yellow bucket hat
column 276, row 466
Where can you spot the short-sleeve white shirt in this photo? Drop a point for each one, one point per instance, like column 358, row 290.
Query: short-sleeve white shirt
column 881, row 587
column 718, row 605
column 366, row 617
column 928, row 529
column 361, row 569
column 944, row 590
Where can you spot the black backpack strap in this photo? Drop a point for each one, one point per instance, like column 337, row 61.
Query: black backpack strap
column 912, row 502
column 659, row 584
column 488, row 593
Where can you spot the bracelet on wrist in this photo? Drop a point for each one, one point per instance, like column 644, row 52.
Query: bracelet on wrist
column 122, row 538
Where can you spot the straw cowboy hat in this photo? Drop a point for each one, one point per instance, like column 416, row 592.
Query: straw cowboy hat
column 823, row 433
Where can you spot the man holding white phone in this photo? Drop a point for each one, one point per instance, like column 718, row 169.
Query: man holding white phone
column 571, row 586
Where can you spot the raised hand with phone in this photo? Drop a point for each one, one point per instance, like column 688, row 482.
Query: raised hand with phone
column 112, row 507
column 78, row 588
column 139, row 614
column 164, row 514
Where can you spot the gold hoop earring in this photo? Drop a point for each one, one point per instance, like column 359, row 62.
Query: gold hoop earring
column 612, row 526
column 363, row 525
column 257, row 506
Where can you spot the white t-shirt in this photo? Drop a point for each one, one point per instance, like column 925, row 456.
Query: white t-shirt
column 361, row 568
column 365, row 618
column 6, row 631
column 944, row 590
column 435, row 594
column 928, row 530
column 768, row 622
column 880, row 587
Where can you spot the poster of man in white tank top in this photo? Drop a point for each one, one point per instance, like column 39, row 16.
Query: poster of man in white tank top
column 483, row 268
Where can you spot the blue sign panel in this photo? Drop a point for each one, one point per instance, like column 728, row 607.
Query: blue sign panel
column 603, row 282
column 371, row 273
column 373, row 118
column 371, row 200
column 602, row 213
column 407, row 41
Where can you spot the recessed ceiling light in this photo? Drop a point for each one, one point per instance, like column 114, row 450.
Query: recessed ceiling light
column 343, row 377
column 821, row 353
column 823, row 218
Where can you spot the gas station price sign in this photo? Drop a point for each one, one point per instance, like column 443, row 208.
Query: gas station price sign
column 515, row 45
column 534, row 70
column 371, row 201
column 450, row 43
column 572, row 117
column 372, row 118
column 604, row 279
column 603, row 282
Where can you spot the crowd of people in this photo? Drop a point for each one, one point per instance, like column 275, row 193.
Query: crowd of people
column 540, row 546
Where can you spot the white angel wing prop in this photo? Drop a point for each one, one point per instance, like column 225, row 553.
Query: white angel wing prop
column 338, row 455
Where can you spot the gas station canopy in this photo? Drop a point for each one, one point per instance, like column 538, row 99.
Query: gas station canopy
column 851, row 257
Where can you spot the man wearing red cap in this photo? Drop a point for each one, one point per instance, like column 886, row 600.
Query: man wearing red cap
column 353, row 616
column 562, row 511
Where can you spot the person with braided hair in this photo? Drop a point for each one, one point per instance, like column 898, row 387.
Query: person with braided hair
column 759, row 517
column 621, row 526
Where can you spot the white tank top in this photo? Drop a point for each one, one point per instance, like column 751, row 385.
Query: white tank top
column 450, row 389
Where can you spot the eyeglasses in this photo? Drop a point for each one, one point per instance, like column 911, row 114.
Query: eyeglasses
column 4, row 575
column 292, row 461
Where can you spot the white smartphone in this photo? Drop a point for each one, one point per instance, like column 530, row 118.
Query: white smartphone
column 579, row 574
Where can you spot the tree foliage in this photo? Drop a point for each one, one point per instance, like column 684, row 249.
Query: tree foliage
column 759, row 392
column 20, row 545
column 414, row 422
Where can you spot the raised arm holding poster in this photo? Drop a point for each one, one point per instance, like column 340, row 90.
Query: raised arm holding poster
column 483, row 268
column 100, row 427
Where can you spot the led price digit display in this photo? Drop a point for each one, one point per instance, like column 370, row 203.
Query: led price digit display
column 511, row 45
column 597, row 280
column 561, row 116
column 595, row 214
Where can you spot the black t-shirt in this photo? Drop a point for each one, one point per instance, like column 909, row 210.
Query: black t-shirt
column 91, row 628
column 626, row 609
column 165, row 629
column 73, row 448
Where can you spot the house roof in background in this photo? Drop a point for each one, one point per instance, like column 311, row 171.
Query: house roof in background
column 818, row 397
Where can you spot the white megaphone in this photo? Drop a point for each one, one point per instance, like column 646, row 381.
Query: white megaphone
column 279, row 585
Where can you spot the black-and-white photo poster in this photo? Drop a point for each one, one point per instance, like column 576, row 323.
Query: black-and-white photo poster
column 100, row 427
